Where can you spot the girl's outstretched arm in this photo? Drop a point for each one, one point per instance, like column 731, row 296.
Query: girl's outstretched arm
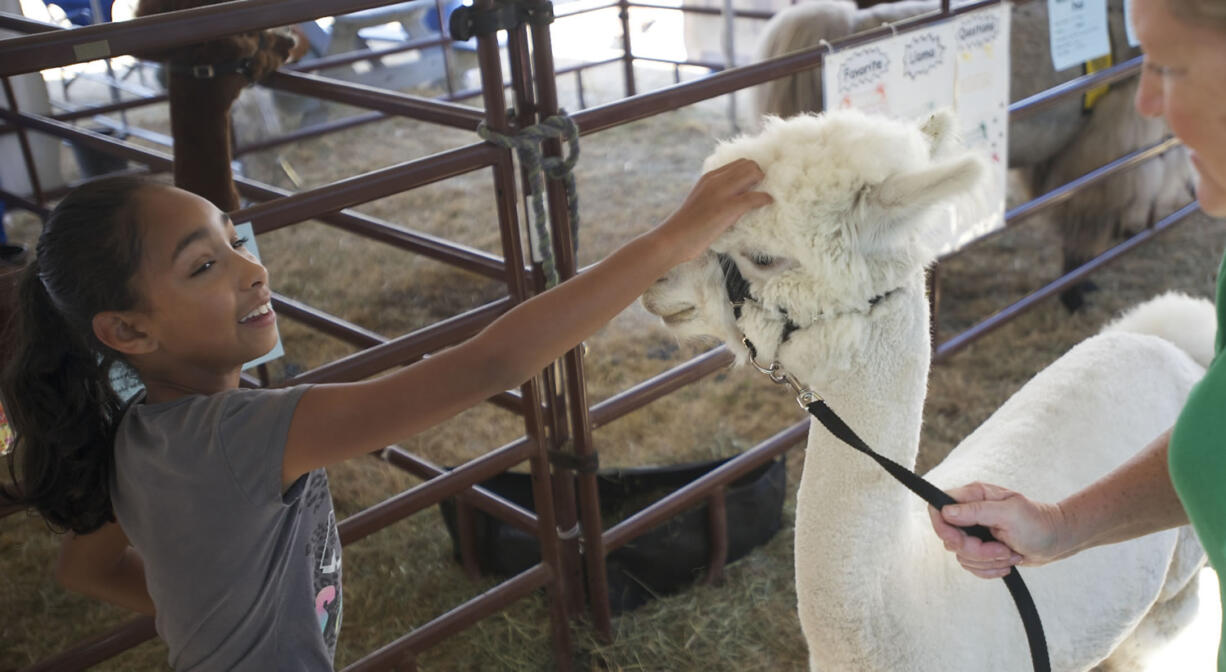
column 336, row 422
column 104, row 565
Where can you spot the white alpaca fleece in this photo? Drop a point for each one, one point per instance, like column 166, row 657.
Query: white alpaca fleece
column 875, row 588
column 865, row 175
column 1189, row 322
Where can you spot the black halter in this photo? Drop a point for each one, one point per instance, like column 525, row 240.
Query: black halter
column 244, row 66
column 737, row 288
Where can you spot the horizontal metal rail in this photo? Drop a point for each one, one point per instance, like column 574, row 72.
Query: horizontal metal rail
column 94, row 110
column 506, row 511
column 395, row 508
column 392, row 102
column 160, row 31
column 677, row 96
column 97, row 649
column 694, row 9
column 698, row 490
column 405, row 175
column 956, row 343
column 585, row 10
column 24, row 203
column 25, row 25
column 308, row 204
column 348, row 57
column 627, row 401
column 1068, row 190
column 585, row 66
column 312, row 131
column 328, row 324
column 1027, row 106
column 405, row 349
column 399, row 654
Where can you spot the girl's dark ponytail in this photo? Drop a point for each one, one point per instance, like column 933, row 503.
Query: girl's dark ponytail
column 56, row 388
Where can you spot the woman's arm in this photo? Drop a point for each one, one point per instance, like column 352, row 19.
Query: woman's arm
column 336, row 422
column 1135, row 499
column 104, row 565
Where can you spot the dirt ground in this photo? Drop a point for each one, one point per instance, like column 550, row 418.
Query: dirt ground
column 628, row 179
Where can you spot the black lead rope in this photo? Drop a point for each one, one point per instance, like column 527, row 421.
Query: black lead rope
column 737, row 288
column 938, row 499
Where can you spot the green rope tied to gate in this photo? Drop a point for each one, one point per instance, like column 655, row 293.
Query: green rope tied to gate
column 527, row 145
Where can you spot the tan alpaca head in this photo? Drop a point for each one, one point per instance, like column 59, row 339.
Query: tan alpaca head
column 261, row 52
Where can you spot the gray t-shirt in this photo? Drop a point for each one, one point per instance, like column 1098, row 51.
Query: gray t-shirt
column 244, row 576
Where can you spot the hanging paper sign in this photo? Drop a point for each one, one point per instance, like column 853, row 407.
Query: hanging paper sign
column 925, row 82
column 904, row 76
column 244, row 230
column 981, row 93
column 1078, row 31
column 1129, row 30
column 862, row 77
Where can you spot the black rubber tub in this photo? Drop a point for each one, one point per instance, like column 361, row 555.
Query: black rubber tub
column 667, row 558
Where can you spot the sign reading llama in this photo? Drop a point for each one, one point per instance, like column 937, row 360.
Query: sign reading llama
column 961, row 64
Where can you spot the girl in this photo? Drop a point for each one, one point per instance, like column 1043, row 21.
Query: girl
column 206, row 504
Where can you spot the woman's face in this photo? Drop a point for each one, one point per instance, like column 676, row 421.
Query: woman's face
column 1184, row 80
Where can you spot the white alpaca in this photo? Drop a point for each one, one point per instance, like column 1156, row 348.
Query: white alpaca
column 1052, row 147
column 841, row 254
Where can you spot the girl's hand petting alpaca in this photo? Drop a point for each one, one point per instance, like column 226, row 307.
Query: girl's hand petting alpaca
column 1027, row 530
column 718, row 199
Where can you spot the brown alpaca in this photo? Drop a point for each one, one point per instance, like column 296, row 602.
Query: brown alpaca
column 204, row 81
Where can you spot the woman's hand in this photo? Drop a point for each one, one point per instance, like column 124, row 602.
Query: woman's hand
column 718, row 199
column 1028, row 532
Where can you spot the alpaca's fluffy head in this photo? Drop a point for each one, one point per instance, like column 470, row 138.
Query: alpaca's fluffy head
column 851, row 220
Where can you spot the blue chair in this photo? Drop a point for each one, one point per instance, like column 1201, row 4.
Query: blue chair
column 84, row 12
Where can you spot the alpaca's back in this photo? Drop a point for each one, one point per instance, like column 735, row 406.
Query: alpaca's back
column 1082, row 416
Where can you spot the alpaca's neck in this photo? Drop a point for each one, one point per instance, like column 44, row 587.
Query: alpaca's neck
column 881, row 398
column 856, row 525
column 200, row 125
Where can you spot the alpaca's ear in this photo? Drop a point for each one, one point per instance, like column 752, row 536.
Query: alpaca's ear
column 928, row 186
column 939, row 130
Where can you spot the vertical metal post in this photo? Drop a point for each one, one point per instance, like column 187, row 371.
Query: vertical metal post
column 728, row 14
column 466, row 529
column 934, row 304
column 717, row 529
column 576, row 388
column 623, row 13
column 517, row 284
column 23, row 139
column 555, row 403
column 445, row 32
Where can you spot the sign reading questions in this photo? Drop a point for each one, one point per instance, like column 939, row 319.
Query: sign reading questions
column 961, row 64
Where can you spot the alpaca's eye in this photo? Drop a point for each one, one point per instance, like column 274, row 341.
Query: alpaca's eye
column 762, row 260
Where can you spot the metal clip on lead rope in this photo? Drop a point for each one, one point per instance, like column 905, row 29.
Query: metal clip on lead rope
column 779, row 376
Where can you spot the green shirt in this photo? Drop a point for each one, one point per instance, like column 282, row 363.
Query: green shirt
column 1197, row 457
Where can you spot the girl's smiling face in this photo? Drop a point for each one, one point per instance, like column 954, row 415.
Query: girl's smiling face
column 204, row 296
column 1184, row 80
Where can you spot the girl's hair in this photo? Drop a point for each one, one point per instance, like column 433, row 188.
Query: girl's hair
column 1211, row 13
column 56, row 387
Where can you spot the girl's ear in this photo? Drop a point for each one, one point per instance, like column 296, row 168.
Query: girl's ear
column 123, row 332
